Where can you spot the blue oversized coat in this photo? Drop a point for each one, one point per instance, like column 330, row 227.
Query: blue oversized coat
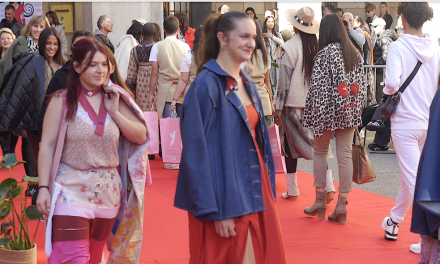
column 220, row 173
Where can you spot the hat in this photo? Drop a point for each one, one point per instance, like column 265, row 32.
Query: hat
column 303, row 19
column 378, row 22
column 140, row 21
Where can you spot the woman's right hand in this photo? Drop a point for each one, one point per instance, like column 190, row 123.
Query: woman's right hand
column 225, row 228
column 277, row 117
column 173, row 105
column 43, row 201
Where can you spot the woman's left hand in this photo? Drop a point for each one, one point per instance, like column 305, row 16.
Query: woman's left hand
column 111, row 103
column 277, row 117
column 267, row 35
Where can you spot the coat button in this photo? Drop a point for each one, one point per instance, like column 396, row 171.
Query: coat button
column 257, row 196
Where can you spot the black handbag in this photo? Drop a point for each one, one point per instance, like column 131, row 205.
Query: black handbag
column 390, row 102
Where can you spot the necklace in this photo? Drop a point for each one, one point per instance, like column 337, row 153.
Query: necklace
column 91, row 93
column 98, row 119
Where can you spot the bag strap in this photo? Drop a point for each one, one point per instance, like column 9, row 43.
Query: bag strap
column 410, row 77
column 60, row 144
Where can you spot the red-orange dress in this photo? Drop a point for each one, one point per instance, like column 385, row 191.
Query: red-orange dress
column 206, row 246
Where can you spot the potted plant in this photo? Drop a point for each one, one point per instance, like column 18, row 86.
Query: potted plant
column 16, row 240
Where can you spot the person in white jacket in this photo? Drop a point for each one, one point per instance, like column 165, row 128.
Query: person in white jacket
column 54, row 22
column 409, row 122
column 124, row 46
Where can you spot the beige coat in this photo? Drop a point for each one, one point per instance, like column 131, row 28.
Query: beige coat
column 257, row 71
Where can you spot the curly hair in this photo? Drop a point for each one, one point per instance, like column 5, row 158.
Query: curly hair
column 415, row 13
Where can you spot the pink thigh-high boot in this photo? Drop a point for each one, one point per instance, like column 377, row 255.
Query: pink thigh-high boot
column 78, row 240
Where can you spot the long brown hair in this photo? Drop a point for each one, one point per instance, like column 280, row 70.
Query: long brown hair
column 42, row 42
column 310, row 49
column 259, row 45
column 213, row 24
column 82, row 52
column 197, row 44
column 115, row 77
column 332, row 30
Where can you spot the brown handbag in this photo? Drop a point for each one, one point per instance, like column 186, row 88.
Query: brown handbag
column 390, row 102
column 362, row 169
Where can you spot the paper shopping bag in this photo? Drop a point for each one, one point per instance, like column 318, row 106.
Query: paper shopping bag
column 278, row 159
column 153, row 126
column 171, row 140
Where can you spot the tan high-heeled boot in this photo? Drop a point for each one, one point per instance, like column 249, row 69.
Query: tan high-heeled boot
column 340, row 212
column 318, row 207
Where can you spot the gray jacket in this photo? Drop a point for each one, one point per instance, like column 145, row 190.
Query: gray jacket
column 16, row 28
column 357, row 34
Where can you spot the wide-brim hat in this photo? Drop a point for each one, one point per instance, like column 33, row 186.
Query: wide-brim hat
column 303, row 19
column 140, row 21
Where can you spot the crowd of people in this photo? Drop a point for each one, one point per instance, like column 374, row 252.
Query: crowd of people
column 81, row 120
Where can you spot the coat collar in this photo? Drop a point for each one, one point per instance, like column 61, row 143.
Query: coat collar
column 232, row 96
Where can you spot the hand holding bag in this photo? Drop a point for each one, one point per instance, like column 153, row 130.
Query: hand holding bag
column 362, row 169
column 152, row 121
column 278, row 159
column 390, row 102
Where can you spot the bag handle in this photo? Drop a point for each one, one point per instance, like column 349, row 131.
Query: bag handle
column 358, row 137
column 410, row 77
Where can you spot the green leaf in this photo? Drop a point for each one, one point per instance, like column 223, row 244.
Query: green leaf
column 9, row 161
column 4, row 213
column 4, row 240
column 6, row 186
column 32, row 213
column 30, row 180
column 17, row 192
column 274, row 65
column 5, row 226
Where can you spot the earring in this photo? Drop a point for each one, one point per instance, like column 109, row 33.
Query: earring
column 223, row 48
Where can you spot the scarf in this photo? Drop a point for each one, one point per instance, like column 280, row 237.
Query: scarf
column 32, row 45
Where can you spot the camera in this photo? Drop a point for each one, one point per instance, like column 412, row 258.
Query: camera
column 345, row 23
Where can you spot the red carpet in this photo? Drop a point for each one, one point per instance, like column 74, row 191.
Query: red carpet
column 307, row 239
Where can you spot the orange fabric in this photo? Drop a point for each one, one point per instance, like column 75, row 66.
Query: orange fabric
column 189, row 37
column 206, row 246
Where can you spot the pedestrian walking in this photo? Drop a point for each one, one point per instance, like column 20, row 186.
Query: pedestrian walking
column 273, row 41
column 54, row 22
column 28, row 42
column 188, row 71
column 258, row 68
column 88, row 183
column 334, row 103
column 139, row 69
column 185, row 34
column 232, row 218
column 124, row 46
column 10, row 22
column 409, row 122
column 296, row 65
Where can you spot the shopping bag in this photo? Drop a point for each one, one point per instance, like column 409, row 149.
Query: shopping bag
column 153, row 126
column 170, row 140
column 278, row 159
column 362, row 169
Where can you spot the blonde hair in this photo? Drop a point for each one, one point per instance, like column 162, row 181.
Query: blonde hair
column 7, row 30
column 37, row 19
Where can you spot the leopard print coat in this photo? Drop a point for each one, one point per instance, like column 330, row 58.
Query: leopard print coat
column 330, row 105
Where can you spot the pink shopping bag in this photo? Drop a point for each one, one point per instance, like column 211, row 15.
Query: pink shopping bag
column 171, row 140
column 153, row 126
column 278, row 159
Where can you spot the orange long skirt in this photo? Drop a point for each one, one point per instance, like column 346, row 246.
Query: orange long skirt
column 207, row 247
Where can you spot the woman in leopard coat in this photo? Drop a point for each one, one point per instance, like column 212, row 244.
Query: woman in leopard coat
column 334, row 104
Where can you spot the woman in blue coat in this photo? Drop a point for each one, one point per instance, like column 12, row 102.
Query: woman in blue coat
column 227, row 178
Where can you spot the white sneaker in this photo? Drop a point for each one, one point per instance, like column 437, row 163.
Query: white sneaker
column 416, row 248
column 391, row 229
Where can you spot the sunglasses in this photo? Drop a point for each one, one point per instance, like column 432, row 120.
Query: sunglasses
column 368, row 11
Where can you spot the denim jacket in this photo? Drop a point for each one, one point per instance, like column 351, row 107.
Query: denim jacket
column 220, row 174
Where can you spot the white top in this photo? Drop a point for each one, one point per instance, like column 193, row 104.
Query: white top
column 153, row 53
column 122, row 54
column 186, row 62
column 412, row 112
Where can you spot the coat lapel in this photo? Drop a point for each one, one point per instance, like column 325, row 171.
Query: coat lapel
column 236, row 102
